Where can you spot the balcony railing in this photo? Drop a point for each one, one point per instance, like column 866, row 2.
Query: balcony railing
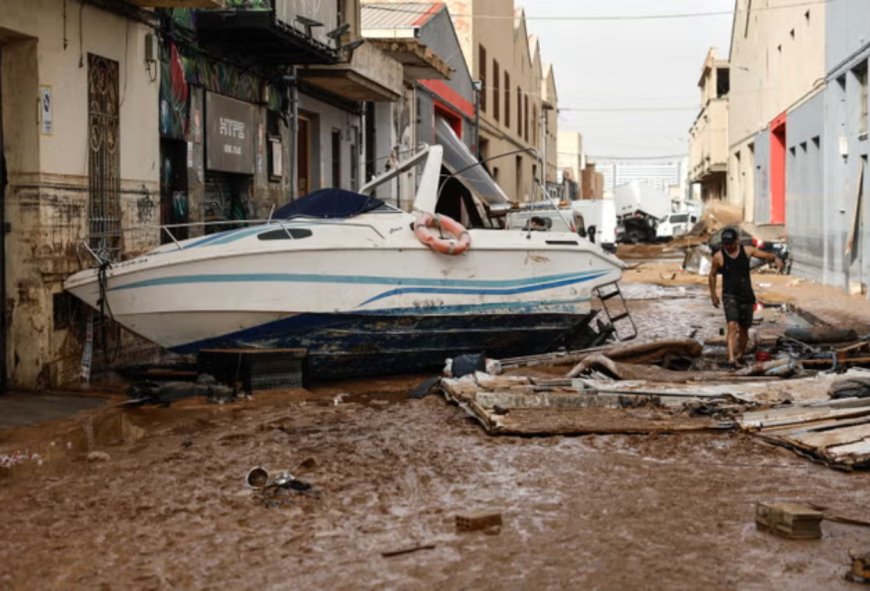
column 277, row 32
column 179, row 3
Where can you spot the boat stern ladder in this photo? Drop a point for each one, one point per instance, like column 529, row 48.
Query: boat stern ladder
column 624, row 328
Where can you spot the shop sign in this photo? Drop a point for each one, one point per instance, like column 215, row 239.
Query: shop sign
column 229, row 137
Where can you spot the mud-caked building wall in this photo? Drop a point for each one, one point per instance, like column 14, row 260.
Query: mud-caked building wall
column 78, row 96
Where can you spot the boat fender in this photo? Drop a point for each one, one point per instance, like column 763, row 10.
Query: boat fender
column 459, row 242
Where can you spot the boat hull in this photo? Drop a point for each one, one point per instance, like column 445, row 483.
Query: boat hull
column 353, row 345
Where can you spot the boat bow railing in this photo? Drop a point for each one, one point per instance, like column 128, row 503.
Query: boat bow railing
column 284, row 224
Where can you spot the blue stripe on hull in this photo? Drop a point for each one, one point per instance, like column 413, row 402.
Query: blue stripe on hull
column 349, row 345
column 400, row 282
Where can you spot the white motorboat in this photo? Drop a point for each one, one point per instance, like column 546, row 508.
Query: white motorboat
column 362, row 294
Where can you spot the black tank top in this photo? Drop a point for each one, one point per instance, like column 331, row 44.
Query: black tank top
column 735, row 277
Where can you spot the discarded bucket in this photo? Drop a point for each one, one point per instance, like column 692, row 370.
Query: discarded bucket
column 257, row 477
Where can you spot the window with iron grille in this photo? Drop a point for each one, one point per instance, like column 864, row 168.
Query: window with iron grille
column 104, row 157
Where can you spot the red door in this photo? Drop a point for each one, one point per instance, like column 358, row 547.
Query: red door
column 777, row 170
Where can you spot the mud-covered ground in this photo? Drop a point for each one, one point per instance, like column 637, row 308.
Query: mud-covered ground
column 169, row 509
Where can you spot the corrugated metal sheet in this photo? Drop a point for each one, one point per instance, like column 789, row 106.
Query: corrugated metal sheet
column 401, row 15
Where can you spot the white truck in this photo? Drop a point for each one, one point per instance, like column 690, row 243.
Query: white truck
column 600, row 214
column 638, row 211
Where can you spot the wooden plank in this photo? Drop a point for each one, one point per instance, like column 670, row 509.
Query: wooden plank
column 815, row 426
column 859, row 449
column 842, row 361
column 518, row 400
column 834, row 437
column 583, row 421
column 796, row 416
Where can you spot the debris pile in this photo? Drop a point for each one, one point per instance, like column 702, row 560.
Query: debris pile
column 668, row 386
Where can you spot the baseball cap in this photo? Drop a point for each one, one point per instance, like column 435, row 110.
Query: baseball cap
column 729, row 236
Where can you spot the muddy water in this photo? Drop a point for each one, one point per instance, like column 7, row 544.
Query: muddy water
column 169, row 510
column 605, row 512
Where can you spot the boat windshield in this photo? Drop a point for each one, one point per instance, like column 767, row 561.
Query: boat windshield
column 330, row 204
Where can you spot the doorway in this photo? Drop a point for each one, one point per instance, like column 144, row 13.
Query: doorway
column 303, row 157
column 173, row 189
column 777, row 170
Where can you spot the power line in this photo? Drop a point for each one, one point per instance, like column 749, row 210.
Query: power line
column 613, row 17
column 617, row 159
column 625, row 109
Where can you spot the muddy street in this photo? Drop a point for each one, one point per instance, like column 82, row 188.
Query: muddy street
column 168, row 508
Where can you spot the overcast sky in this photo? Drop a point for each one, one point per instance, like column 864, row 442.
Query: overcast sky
column 629, row 64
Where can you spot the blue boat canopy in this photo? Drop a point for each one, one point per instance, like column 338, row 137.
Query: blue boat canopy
column 329, row 204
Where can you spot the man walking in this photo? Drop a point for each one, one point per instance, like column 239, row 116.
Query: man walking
column 738, row 299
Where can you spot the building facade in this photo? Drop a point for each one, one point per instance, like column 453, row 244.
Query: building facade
column 656, row 175
column 809, row 148
column 832, row 195
column 593, row 182
column 80, row 153
column 708, row 137
column 570, row 162
column 516, row 122
column 438, row 102
column 777, row 64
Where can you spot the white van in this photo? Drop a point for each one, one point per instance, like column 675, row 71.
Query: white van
column 675, row 224
column 600, row 213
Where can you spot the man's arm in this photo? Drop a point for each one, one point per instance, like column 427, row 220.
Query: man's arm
column 715, row 266
column 751, row 251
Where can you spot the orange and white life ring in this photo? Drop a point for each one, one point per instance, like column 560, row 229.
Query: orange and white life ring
column 455, row 245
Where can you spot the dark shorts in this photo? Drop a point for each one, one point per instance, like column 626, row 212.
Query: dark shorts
column 737, row 311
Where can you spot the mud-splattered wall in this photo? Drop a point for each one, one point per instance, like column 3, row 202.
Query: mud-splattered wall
column 47, row 200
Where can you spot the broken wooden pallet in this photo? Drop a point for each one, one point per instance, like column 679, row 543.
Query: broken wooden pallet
column 834, row 431
column 515, row 406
